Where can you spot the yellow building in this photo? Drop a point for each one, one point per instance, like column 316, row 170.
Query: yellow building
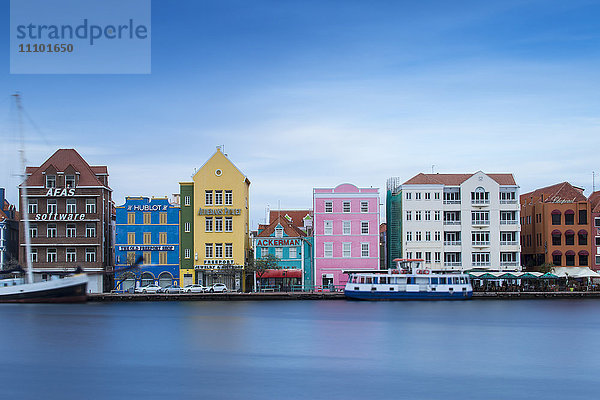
column 214, row 227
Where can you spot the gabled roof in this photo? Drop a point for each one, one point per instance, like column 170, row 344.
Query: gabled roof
column 562, row 192
column 218, row 151
column 287, row 226
column 595, row 202
column 61, row 160
column 297, row 216
column 456, row 179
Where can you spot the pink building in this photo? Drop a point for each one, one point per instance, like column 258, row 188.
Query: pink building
column 346, row 232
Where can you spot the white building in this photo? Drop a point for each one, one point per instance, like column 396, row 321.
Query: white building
column 462, row 221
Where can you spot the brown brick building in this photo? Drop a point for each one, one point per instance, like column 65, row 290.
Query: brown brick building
column 71, row 212
column 556, row 227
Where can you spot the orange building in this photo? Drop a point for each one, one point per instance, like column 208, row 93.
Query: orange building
column 555, row 227
column 595, row 230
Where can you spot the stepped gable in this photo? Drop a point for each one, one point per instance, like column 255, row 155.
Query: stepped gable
column 60, row 161
column 595, row 202
column 562, row 192
column 455, row 179
column 288, row 228
column 297, row 216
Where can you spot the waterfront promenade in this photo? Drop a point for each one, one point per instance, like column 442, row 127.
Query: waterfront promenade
column 117, row 297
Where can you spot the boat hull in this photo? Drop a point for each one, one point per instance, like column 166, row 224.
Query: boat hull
column 376, row 295
column 67, row 290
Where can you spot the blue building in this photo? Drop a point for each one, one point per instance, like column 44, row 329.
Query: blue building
column 147, row 228
column 292, row 246
column 9, row 234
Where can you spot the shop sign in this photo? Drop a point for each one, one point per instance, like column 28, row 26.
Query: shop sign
column 59, row 217
column 146, row 248
column 278, row 242
column 217, row 267
column 216, row 262
column 220, row 211
column 58, row 192
column 148, row 207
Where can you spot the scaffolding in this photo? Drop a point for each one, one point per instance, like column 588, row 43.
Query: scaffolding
column 394, row 220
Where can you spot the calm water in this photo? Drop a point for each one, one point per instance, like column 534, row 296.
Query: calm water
column 302, row 349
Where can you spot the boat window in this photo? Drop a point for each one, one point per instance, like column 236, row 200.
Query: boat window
column 362, row 279
column 375, row 279
column 410, row 280
column 455, row 280
column 443, row 280
column 369, row 279
column 434, row 281
column 462, row 279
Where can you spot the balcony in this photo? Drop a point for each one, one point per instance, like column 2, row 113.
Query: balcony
column 509, row 264
column 451, row 201
column 480, row 202
column 452, row 242
column 509, row 222
column 508, row 201
column 481, row 244
column 509, row 243
column 447, row 222
column 481, row 264
column 452, row 264
column 482, row 222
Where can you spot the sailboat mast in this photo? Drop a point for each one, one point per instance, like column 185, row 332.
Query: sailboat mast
column 24, row 200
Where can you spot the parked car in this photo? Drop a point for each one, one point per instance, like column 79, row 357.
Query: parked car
column 218, row 287
column 172, row 289
column 195, row 289
column 152, row 288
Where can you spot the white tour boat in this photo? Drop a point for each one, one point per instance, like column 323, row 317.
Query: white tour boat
column 408, row 281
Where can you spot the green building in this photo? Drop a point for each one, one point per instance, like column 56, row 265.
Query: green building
column 393, row 214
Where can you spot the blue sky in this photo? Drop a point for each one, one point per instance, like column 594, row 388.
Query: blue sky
column 315, row 93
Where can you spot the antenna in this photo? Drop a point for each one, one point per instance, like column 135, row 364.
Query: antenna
column 593, row 181
column 432, row 166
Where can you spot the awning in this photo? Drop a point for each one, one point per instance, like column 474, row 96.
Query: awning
column 570, row 253
column 569, row 212
column 575, row 272
column 583, row 253
column 530, row 275
column 281, row 273
column 557, row 253
column 556, row 212
column 508, row 275
column 582, row 232
column 569, row 232
column 548, row 275
column 556, row 232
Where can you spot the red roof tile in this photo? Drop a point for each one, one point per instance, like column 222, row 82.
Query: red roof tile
column 455, row 179
column 288, row 228
column 562, row 192
column 297, row 216
column 595, row 202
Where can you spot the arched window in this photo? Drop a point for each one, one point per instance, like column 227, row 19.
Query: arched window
column 569, row 217
column 556, row 217
column 570, row 258
column 557, row 257
column 480, row 196
column 556, row 238
column 165, row 279
column 582, row 235
column 583, row 258
column 147, row 279
column 570, row 237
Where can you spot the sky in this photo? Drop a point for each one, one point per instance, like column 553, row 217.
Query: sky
column 306, row 94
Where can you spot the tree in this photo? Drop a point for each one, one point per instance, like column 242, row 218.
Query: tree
column 261, row 265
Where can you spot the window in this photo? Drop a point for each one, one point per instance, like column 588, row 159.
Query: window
column 346, row 227
column 228, row 224
column 427, row 196
column 328, row 227
column 147, row 237
column 437, row 257
column 71, row 206
column 228, row 250
column 582, row 236
column 555, row 217
column 218, row 250
column 452, row 238
column 409, row 236
column 582, row 217
column 278, row 232
column 480, row 196
column 436, row 195
column 417, row 215
column 51, row 255
column 293, row 252
column 408, row 254
column 328, row 250
column 208, row 250
column 437, row 215
column 187, row 253
column 218, row 197
column 264, row 251
column 50, row 181
column 597, row 222
column 90, row 206
column 90, row 230
column 419, row 255
column 71, row 230
column 583, row 260
column 364, row 227
column 51, row 206
column 187, row 201
column 147, row 218
column 452, row 196
column 70, row 181
column 346, row 249
column 597, row 240
column 208, row 198
column 328, row 206
column 408, row 195
column 438, row 236
column 508, row 238
column 508, row 259
column 218, row 224
column 418, row 196
column 569, row 238
column 346, row 206
column 71, row 255
column 162, row 238
column 34, row 255
column 418, row 236
column 569, row 217
column 570, row 259
column 556, row 259
column 409, row 215
column 480, row 217
column 364, row 249
column 187, row 227
column 130, row 237
column 228, row 198
column 162, row 257
column 427, row 215
column 33, row 231
column 208, row 224
column 163, row 218
column 428, row 236
column 428, row 257
column 507, row 197
column 147, row 257
column 597, row 260
column 279, row 252
column 364, row 206
column 90, row 255
column 480, row 259
column 51, row 231
column 510, row 218
column 131, row 218
column 33, row 207
column 480, row 238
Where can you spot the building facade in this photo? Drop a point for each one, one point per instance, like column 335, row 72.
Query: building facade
column 215, row 224
column 556, row 227
column 595, row 229
column 146, row 228
column 9, row 233
column 70, row 209
column 292, row 247
column 458, row 221
column 346, row 232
